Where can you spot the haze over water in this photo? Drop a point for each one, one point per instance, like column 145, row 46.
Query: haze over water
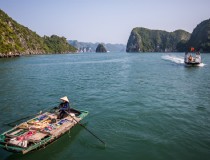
column 144, row 106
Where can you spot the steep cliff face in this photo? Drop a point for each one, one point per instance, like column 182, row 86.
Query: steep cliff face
column 100, row 48
column 134, row 42
column 146, row 40
column 16, row 39
column 200, row 38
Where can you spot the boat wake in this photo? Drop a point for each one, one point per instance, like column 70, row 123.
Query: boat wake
column 177, row 59
column 173, row 58
column 201, row 65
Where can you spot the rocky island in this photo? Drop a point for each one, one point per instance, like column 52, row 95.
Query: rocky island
column 100, row 48
column 146, row 40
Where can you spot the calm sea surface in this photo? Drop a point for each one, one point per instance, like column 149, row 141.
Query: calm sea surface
column 144, row 106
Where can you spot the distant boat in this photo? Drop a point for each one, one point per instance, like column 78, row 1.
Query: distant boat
column 192, row 59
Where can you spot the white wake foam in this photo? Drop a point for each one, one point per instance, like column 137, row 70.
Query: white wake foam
column 173, row 58
column 201, row 64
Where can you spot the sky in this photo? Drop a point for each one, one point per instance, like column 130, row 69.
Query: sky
column 107, row 21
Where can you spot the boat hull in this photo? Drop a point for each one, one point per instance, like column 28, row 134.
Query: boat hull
column 192, row 63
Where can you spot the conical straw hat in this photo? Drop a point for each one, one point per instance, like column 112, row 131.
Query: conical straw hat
column 65, row 99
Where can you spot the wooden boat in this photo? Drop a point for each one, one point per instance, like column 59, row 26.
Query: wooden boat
column 39, row 131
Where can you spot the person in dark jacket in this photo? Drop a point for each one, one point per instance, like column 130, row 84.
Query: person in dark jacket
column 63, row 108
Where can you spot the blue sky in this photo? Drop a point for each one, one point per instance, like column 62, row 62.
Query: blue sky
column 105, row 20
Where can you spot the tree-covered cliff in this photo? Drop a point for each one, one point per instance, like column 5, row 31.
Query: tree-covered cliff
column 200, row 38
column 16, row 39
column 146, row 40
column 58, row 44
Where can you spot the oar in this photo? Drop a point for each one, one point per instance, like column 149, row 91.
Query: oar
column 10, row 123
column 86, row 128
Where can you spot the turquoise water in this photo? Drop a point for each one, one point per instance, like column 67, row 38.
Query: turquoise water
column 144, row 106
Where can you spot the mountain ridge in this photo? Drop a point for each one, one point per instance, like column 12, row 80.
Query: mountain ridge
column 91, row 47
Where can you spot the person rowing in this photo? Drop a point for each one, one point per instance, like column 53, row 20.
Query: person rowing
column 64, row 108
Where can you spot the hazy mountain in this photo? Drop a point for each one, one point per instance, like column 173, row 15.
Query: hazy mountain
column 91, row 47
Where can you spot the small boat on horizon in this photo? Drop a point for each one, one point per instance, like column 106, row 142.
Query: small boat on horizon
column 39, row 131
column 192, row 59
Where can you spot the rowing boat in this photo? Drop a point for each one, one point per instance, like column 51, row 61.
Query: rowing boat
column 39, row 131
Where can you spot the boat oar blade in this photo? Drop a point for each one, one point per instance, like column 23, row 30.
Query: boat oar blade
column 92, row 133
column 86, row 129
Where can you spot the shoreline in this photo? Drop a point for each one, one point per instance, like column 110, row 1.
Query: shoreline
column 13, row 55
column 10, row 55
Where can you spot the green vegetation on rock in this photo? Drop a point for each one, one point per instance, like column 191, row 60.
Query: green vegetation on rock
column 146, row 40
column 17, row 39
column 200, row 38
column 58, row 44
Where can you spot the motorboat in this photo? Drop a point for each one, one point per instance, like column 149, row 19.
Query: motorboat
column 192, row 59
